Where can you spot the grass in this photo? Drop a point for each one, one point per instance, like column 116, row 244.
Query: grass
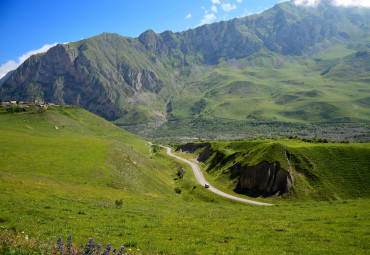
column 321, row 170
column 56, row 182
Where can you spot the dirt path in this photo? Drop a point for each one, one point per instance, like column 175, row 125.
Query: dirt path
column 200, row 177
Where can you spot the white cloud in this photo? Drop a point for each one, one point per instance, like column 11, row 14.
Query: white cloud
column 239, row 1
column 11, row 64
column 216, row 1
column 351, row 3
column 312, row 3
column 228, row 7
column 7, row 67
column 344, row 3
column 44, row 48
column 246, row 12
column 188, row 16
column 214, row 8
column 208, row 18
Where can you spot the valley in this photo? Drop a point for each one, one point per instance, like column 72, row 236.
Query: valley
column 244, row 136
column 56, row 182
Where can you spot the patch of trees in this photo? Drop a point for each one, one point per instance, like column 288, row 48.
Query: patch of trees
column 198, row 106
column 15, row 109
column 314, row 140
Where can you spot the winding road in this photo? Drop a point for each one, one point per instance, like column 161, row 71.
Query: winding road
column 200, row 177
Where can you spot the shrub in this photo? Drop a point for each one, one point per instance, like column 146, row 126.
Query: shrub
column 156, row 148
column 119, row 203
column 15, row 109
column 181, row 172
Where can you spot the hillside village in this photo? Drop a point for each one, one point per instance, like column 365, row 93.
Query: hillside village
column 24, row 105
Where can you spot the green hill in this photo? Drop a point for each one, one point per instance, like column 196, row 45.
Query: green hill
column 291, row 168
column 67, row 145
column 64, row 171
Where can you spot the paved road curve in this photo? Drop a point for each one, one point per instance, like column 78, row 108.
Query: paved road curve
column 200, row 177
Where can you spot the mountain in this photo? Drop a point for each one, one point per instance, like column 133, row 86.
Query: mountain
column 290, row 64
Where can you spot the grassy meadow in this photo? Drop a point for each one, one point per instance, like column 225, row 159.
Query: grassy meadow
column 62, row 171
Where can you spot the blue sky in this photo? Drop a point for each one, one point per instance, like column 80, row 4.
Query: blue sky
column 27, row 26
column 32, row 26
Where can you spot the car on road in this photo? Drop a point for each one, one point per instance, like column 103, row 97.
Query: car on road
column 206, row 185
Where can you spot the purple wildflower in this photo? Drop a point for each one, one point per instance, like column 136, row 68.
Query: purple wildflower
column 121, row 250
column 69, row 245
column 98, row 249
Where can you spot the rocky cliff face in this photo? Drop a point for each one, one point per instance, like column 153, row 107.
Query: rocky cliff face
column 205, row 148
column 264, row 179
column 69, row 74
column 65, row 76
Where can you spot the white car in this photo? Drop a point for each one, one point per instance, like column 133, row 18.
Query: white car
column 206, row 185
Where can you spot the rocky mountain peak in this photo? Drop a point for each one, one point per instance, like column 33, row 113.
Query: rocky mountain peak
column 148, row 38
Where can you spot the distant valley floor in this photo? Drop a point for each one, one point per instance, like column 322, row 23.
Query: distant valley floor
column 198, row 128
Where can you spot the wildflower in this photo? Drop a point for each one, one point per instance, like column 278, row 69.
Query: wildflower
column 60, row 246
column 114, row 251
column 108, row 247
column 69, row 245
column 89, row 247
column 121, row 250
column 98, row 249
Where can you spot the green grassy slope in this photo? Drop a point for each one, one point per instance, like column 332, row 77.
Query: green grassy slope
column 70, row 144
column 321, row 170
column 316, row 90
column 323, row 94
column 56, row 182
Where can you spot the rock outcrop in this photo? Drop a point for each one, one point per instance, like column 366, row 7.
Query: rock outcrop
column 264, row 179
column 193, row 147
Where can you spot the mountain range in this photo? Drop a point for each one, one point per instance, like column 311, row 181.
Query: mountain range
column 287, row 68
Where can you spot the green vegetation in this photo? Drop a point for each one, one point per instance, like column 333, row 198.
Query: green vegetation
column 89, row 178
column 290, row 71
column 283, row 98
column 330, row 171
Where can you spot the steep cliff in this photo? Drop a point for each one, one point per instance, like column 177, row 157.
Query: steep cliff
column 264, row 179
